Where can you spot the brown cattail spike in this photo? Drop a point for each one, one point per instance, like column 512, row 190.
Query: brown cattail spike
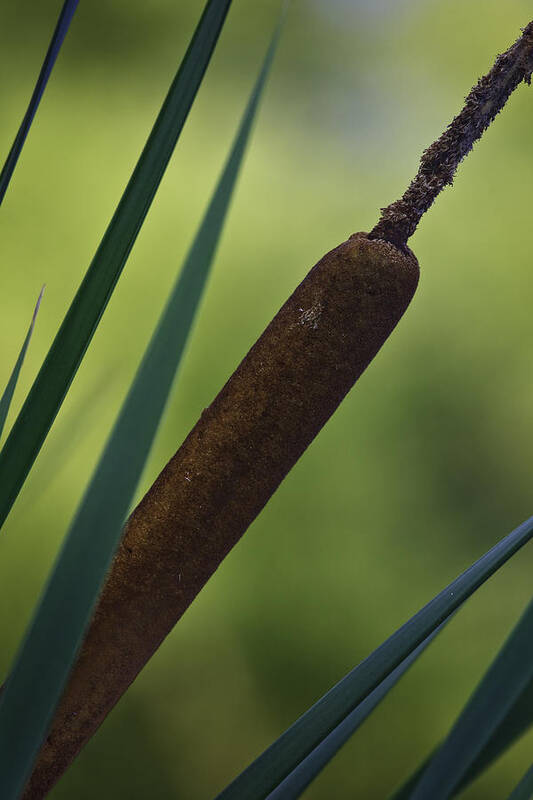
column 244, row 444
column 440, row 161
column 233, row 460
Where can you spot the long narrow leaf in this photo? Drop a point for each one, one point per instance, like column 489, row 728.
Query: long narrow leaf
column 299, row 779
column 524, row 790
column 49, row 649
column 517, row 721
column 267, row 771
column 65, row 17
column 72, row 340
column 5, row 400
column 504, row 728
column 406, row 788
column 508, row 677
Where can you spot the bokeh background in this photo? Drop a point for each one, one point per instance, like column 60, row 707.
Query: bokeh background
column 427, row 462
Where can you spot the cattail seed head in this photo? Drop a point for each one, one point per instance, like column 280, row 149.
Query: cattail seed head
column 233, row 460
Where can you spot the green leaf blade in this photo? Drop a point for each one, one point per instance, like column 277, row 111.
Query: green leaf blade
column 508, row 677
column 53, row 639
column 7, row 396
column 284, row 755
column 300, row 778
column 61, row 29
column 524, row 790
column 499, row 711
column 517, row 721
column 73, row 338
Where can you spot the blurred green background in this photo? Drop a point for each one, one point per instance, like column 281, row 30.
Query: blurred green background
column 425, row 465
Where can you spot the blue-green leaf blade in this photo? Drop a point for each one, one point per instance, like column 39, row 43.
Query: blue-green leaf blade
column 299, row 779
column 517, row 721
column 524, row 789
column 73, row 338
column 7, row 396
column 406, row 788
column 63, row 23
column 53, row 639
column 508, row 677
column 506, row 727
column 284, row 755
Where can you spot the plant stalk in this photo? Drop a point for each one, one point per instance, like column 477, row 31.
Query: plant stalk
column 439, row 162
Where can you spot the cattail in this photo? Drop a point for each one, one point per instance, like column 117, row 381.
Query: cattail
column 233, row 460
column 244, row 444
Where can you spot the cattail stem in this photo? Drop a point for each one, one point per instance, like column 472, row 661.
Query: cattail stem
column 233, row 460
column 439, row 162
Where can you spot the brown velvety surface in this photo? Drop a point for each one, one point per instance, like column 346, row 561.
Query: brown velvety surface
column 233, row 460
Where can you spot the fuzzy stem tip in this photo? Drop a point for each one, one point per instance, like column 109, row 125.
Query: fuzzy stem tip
column 439, row 162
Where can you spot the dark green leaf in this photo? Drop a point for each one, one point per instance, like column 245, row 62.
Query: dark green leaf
column 49, row 649
column 524, row 790
column 508, row 677
column 267, row 771
column 72, row 340
column 5, row 400
column 500, row 710
column 517, row 721
column 299, row 779
column 67, row 12
column 404, row 792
